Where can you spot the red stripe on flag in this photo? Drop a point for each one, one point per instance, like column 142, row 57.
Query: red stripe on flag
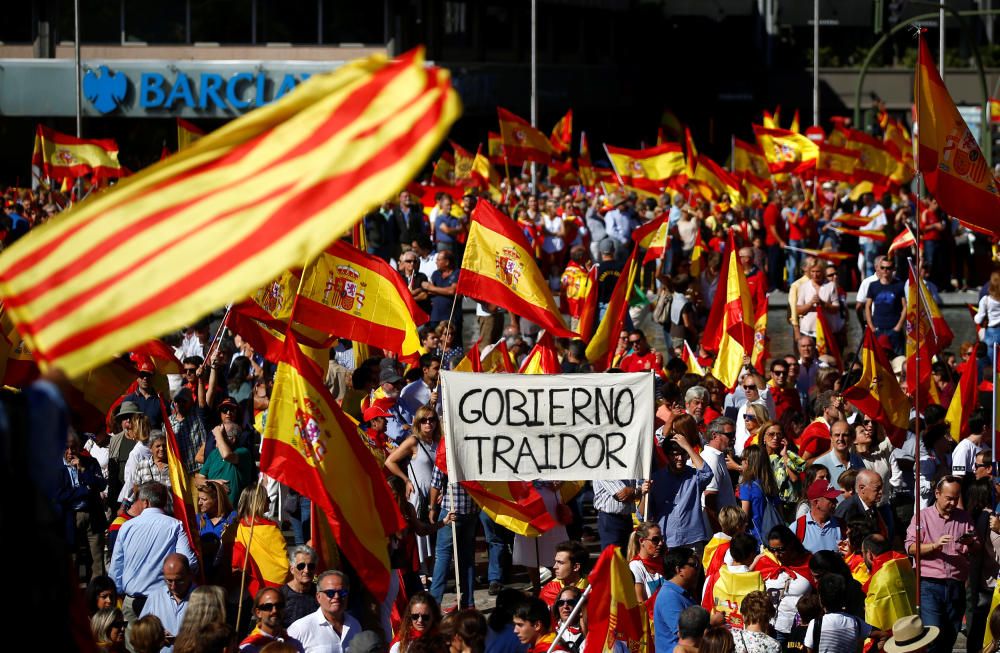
column 482, row 286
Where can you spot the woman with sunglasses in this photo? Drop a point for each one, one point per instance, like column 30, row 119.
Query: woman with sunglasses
column 645, row 553
column 786, row 464
column 413, row 463
column 422, row 618
column 108, row 627
column 561, row 611
column 216, row 528
column 787, row 577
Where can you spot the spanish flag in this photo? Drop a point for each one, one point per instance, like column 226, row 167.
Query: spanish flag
column 542, row 359
column 650, row 168
column 826, row 341
column 954, row 168
column 496, row 358
column 310, row 445
column 614, row 612
column 897, row 135
column 263, row 552
column 836, row 163
column 877, row 393
column 795, row 122
column 697, row 255
column 824, row 254
column 692, row 153
column 359, row 297
column 588, row 309
column 494, row 148
column 515, row 505
column 185, row 500
column 463, row 164
column 749, row 162
column 761, row 350
column 187, row 133
column 890, row 592
column 498, row 267
column 61, row 156
column 877, row 160
column 689, row 359
column 471, row 362
column 769, row 121
column 728, row 329
column 786, row 151
column 923, row 317
column 719, row 181
column 427, row 196
column 601, row 349
column 963, row 403
column 654, row 237
column 853, row 219
column 562, row 133
column 861, row 233
column 267, row 191
column 17, row 365
column 521, row 141
column 443, row 173
column 562, row 173
column 904, row 240
column 586, row 168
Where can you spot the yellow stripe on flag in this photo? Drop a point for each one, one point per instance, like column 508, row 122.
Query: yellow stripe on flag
column 266, row 192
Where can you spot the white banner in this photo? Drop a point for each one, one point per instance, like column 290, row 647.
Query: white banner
column 514, row 427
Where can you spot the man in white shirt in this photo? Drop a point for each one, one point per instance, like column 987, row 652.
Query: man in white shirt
column 719, row 493
column 963, row 458
column 870, row 247
column 329, row 629
column 422, row 391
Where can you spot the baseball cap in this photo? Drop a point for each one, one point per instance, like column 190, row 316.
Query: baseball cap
column 389, row 376
column 375, row 411
column 607, row 246
column 822, row 489
column 144, row 365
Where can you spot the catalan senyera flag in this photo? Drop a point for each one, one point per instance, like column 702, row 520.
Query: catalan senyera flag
column 62, row 156
column 836, row 163
column 521, row 141
column 357, row 296
column 786, row 151
column 877, row 393
column 954, row 168
column 498, row 267
column 729, row 330
column 650, row 168
column 311, row 446
column 584, row 165
column 963, row 403
column 654, row 237
column 601, row 348
column 562, row 133
column 689, row 359
column 187, row 133
column 515, row 505
column 718, row 180
column 267, row 191
column 542, row 359
column 761, row 351
column 614, row 612
column 826, row 342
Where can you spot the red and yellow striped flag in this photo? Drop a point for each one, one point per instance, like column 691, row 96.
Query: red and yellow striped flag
column 836, row 163
column 601, row 349
column 499, row 267
column 689, row 359
column 585, row 166
column 648, row 169
column 954, row 168
column 654, row 237
column 714, row 181
column 697, row 255
column 265, row 192
column 521, row 141
column 904, row 240
column 692, row 153
column 877, row 393
column 185, row 502
column 826, row 342
column 786, row 151
column 463, row 164
column 542, row 359
column 187, row 133
column 761, row 341
column 61, row 156
column 923, row 317
column 311, row 446
column 494, row 148
column 614, row 612
column 963, row 402
column 795, row 122
column 728, row 329
column 443, row 172
column 515, row 505
column 562, row 133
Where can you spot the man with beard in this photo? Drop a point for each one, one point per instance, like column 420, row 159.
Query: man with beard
column 268, row 607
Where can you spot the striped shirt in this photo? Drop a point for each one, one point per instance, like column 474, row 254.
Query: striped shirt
column 456, row 499
column 604, row 497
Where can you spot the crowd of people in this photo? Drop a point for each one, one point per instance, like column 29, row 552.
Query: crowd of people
column 777, row 516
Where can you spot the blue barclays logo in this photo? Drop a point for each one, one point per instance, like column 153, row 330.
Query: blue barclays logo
column 105, row 91
column 241, row 91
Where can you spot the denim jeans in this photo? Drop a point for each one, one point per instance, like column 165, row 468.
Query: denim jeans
column 465, row 527
column 793, row 259
column 942, row 604
column 775, row 267
column 299, row 521
column 870, row 250
column 614, row 529
column 498, row 543
column 602, row 308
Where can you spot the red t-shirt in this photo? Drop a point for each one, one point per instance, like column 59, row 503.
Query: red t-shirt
column 798, row 226
column 772, row 218
column 929, row 218
column 758, row 289
column 815, row 438
column 637, row 363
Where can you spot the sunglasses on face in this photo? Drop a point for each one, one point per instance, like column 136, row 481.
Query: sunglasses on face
column 778, row 372
column 776, row 549
column 226, row 409
column 331, row 594
column 120, row 625
column 428, row 420
column 571, row 603
column 306, row 565
column 656, row 539
column 190, row 370
column 145, row 375
column 887, row 268
column 414, row 616
column 270, row 607
column 750, row 388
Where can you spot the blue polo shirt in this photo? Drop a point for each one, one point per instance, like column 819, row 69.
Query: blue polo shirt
column 671, row 601
column 820, row 538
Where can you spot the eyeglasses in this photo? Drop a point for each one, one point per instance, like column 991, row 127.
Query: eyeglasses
column 749, row 417
column 776, row 549
column 330, row 594
column 887, row 267
column 563, row 603
column 306, row 565
column 226, row 409
column 428, row 420
column 983, row 465
column 415, row 616
column 190, row 370
column 779, row 372
column 270, row 607
column 773, row 434
column 748, row 388
column 656, row 539
column 145, row 375
column 693, row 564
column 120, row 625
column 634, row 342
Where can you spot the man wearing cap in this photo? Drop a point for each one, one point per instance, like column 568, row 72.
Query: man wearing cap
column 387, row 396
column 121, row 446
column 376, row 417
column 910, row 635
column 145, row 396
column 188, row 428
column 818, row 529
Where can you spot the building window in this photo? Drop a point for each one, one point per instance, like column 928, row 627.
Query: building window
column 454, row 17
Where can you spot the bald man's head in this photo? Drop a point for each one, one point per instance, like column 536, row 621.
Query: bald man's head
column 177, row 575
column 868, row 487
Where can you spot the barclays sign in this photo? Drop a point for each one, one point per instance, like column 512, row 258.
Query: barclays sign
column 148, row 89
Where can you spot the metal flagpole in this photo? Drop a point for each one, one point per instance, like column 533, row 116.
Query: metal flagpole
column 534, row 86
column 816, row 63
column 570, row 618
column 454, row 547
column 994, row 437
column 77, row 68
column 916, row 366
column 941, row 40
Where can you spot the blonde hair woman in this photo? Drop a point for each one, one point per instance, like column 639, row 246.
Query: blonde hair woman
column 108, row 628
column 207, row 605
column 139, row 454
column 988, row 314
